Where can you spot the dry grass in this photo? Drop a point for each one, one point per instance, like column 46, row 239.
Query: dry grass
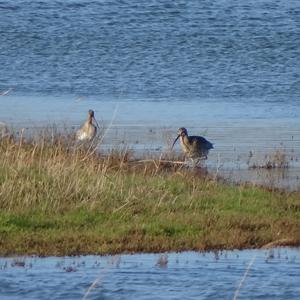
column 59, row 198
column 276, row 160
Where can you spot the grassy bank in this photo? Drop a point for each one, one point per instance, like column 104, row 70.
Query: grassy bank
column 57, row 199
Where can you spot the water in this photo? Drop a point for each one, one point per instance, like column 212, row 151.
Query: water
column 228, row 70
column 272, row 274
column 152, row 49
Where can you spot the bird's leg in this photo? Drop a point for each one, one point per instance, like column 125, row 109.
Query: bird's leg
column 204, row 157
column 194, row 162
column 197, row 161
column 186, row 161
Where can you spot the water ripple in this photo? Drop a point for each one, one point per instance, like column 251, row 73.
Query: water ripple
column 189, row 275
column 151, row 48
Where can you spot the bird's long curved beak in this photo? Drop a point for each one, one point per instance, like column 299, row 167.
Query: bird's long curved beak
column 96, row 123
column 175, row 141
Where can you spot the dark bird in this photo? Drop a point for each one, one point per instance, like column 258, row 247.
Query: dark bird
column 194, row 147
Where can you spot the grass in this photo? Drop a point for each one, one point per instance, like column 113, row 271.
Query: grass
column 276, row 160
column 60, row 199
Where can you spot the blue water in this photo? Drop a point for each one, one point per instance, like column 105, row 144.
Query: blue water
column 158, row 50
column 249, row 274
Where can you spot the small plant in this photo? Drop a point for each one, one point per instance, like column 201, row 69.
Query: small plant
column 162, row 260
column 275, row 160
column 18, row 262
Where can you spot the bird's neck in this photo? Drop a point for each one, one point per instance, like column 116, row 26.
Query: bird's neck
column 184, row 140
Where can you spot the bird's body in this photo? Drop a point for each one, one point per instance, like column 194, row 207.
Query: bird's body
column 4, row 131
column 194, row 147
column 87, row 130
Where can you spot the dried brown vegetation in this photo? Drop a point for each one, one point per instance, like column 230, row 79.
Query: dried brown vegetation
column 59, row 198
column 276, row 160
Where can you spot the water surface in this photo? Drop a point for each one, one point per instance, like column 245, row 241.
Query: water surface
column 152, row 49
column 248, row 274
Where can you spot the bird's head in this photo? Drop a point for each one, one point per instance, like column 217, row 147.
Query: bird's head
column 91, row 113
column 91, row 116
column 180, row 132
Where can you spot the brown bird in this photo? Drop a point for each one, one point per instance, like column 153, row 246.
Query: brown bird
column 87, row 130
column 194, row 147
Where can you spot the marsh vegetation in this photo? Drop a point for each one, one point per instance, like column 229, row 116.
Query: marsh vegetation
column 59, row 198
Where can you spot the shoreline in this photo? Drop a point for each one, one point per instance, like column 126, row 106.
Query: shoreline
column 284, row 243
column 272, row 162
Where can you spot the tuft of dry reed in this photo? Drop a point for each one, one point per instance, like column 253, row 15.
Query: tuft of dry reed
column 276, row 160
column 51, row 170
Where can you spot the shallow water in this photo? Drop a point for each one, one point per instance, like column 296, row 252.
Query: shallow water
column 248, row 274
column 245, row 136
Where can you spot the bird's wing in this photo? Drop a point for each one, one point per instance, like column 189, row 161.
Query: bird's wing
column 202, row 142
column 80, row 131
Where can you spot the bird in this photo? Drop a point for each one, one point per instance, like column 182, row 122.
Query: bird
column 194, row 147
column 87, row 130
column 4, row 131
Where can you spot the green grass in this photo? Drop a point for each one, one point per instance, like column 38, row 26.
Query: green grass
column 56, row 199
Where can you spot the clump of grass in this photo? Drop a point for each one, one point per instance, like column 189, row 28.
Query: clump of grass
column 69, row 269
column 275, row 160
column 57, row 198
column 162, row 260
column 18, row 262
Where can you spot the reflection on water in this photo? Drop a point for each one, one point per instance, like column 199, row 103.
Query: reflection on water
column 248, row 274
